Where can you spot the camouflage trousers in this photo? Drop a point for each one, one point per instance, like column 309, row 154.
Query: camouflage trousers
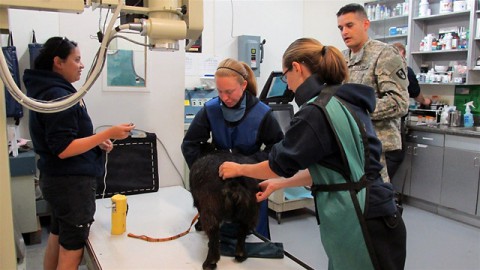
column 384, row 171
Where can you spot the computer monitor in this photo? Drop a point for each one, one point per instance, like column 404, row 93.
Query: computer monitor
column 276, row 94
column 275, row 90
column 283, row 113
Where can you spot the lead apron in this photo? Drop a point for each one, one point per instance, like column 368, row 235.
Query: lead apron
column 340, row 200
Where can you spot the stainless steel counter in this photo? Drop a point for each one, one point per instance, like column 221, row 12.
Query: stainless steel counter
column 440, row 172
column 444, row 129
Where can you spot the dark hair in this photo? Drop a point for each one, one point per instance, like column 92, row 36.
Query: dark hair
column 55, row 46
column 352, row 8
column 240, row 70
column 400, row 47
column 325, row 61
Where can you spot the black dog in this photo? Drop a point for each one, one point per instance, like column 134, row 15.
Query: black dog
column 220, row 200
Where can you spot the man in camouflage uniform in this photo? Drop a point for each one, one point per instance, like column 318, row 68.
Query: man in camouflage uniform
column 380, row 66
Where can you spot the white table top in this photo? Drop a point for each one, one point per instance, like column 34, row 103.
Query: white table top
column 161, row 214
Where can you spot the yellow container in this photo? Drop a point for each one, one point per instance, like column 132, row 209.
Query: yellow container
column 119, row 214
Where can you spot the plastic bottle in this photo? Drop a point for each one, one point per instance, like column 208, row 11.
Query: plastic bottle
column 444, row 115
column 455, row 41
column 399, row 9
column 463, row 42
column 428, row 45
column 369, row 12
column 468, row 117
column 405, row 7
column 448, row 41
column 430, row 76
column 434, row 44
column 377, row 12
column 423, row 8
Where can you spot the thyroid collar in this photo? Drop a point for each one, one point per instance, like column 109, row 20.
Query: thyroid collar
column 236, row 113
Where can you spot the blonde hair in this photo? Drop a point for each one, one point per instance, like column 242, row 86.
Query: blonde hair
column 233, row 68
column 325, row 61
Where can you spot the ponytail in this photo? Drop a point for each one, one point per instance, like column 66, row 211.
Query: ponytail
column 325, row 61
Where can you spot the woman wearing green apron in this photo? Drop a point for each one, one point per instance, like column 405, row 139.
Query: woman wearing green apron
column 331, row 146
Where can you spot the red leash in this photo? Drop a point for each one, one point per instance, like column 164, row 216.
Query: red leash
column 151, row 239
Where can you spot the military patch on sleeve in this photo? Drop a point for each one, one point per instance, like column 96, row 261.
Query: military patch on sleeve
column 401, row 74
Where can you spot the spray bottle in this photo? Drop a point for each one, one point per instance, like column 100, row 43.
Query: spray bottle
column 468, row 117
column 444, row 115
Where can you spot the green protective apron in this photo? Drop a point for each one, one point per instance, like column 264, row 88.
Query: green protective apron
column 340, row 193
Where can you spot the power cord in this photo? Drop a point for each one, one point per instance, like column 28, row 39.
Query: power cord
column 171, row 160
column 105, row 179
column 105, row 174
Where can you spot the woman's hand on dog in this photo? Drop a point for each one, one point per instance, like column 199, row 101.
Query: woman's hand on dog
column 267, row 187
column 229, row 169
column 258, row 171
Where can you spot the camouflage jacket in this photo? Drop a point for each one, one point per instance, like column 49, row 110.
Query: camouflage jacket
column 380, row 66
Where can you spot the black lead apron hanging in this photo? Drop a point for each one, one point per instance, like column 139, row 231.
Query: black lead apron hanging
column 13, row 108
column 34, row 49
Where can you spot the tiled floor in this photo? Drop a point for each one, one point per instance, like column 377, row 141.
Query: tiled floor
column 433, row 242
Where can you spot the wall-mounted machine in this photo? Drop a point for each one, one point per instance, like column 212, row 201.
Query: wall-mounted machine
column 250, row 51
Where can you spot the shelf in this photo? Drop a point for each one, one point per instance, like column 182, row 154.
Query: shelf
column 390, row 37
column 446, row 84
column 442, row 51
column 374, row 2
column 390, row 19
column 419, row 27
column 442, row 16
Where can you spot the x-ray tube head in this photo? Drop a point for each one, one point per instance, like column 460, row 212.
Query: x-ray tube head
column 164, row 34
column 164, row 26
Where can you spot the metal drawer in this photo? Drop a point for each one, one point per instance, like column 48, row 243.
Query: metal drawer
column 427, row 138
column 463, row 143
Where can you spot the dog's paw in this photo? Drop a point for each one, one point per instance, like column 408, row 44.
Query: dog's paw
column 209, row 266
column 240, row 257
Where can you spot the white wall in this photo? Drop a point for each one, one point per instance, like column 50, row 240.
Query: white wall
column 279, row 22
column 320, row 21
